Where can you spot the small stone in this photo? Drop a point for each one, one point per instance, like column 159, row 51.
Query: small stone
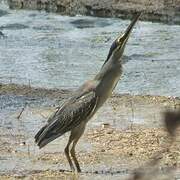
column 105, row 125
column 110, row 131
column 23, row 143
column 15, row 151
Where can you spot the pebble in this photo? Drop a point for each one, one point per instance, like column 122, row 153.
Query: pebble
column 105, row 125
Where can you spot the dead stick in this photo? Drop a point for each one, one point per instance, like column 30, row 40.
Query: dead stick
column 18, row 117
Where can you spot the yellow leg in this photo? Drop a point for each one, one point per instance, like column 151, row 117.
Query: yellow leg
column 66, row 150
column 76, row 133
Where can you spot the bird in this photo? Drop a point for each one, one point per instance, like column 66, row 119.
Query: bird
column 172, row 121
column 72, row 116
column 2, row 34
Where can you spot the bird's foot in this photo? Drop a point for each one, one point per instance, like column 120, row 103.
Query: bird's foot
column 72, row 168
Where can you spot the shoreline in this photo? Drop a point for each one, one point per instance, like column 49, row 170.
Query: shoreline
column 53, row 93
column 162, row 11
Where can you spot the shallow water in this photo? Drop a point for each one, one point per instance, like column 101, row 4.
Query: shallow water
column 50, row 50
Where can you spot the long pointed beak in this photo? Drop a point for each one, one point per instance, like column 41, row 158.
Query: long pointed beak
column 127, row 33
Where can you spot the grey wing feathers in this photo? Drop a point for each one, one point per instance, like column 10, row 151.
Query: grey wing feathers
column 67, row 117
column 51, row 118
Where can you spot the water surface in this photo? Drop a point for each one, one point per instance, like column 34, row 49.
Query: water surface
column 49, row 50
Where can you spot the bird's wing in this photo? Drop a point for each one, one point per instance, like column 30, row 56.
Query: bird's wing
column 59, row 108
column 67, row 117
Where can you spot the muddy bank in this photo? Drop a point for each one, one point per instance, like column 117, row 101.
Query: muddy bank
column 163, row 10
column 123, row 110
column 25, row 90
column 127, row 132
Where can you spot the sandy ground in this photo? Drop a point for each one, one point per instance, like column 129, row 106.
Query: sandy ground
column 110, row 148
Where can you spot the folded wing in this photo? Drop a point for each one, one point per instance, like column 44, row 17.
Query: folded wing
column 67, row 117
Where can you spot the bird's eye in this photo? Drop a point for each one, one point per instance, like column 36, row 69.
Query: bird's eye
column 119, row 40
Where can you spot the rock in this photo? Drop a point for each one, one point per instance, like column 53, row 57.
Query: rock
column 23, row 143
column 105, row 125
column 15, row 26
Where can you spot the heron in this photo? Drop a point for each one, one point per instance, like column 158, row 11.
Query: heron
column 72, row 116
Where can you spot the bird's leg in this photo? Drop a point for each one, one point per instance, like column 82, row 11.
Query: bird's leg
column 76, row 137
column 73, row 154
column 66, row 150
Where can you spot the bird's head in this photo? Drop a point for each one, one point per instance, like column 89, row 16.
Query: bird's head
column 117, row 47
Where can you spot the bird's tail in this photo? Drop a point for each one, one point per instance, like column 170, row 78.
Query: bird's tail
column 47, row 139
column 45, row 136
column 37, row 136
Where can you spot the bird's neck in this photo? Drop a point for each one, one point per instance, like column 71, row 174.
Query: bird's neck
column 109, row 69
column 107, row 80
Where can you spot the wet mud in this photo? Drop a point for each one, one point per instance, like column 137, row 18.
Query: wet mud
column 127, row 132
